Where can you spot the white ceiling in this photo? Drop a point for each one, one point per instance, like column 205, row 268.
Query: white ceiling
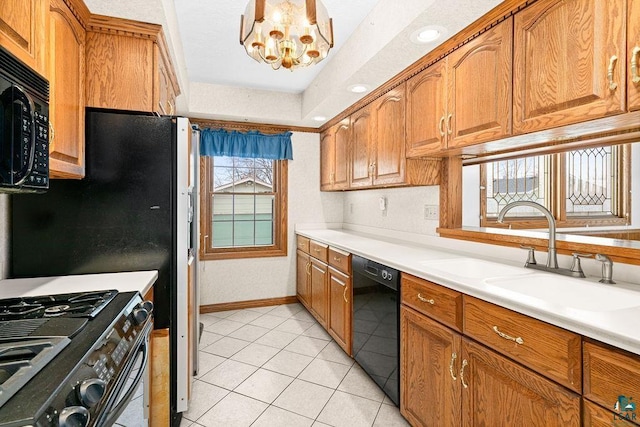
column 218, row 79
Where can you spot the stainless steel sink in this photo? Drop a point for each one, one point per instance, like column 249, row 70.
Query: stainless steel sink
column 573, row 293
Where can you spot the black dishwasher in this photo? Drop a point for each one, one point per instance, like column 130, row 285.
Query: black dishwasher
column 376, row 302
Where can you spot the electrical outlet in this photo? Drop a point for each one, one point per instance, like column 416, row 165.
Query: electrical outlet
column 431, row 212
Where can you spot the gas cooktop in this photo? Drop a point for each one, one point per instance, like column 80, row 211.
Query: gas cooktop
column 85, row 304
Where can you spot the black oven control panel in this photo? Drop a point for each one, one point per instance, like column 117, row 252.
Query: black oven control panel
column 92, row 392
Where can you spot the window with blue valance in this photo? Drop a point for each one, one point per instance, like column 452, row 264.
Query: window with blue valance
column 252, row 144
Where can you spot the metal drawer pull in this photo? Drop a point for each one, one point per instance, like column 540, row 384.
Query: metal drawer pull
column 517, row 340
column 316, row 250
column 464, row 365
column 344, row 294
column 612, row 63
column 423, row 299
column 336, row 259
column 635, row 78
column 454, row 356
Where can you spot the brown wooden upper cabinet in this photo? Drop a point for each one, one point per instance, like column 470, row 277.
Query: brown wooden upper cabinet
column 569, row 62
column 633, row 52
column 334, row 157
column 463, row 99
column 378, row 142
column 23, row 31
column 67, row 42
column 128, row 67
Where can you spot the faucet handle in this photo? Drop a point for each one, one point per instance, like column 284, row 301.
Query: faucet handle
column 607, row 269
column 576, row 267
column 531, row 257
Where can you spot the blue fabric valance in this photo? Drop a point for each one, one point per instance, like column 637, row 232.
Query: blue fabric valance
column 253, row 144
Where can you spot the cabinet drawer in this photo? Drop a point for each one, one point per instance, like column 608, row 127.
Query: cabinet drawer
column 610, row 375
column 318, row 250
column 547, row 349
column 437, row 302
column 340, row 260
column 596, row 416
column 302, row 243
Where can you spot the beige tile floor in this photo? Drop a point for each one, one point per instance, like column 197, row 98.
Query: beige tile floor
column 277, row 367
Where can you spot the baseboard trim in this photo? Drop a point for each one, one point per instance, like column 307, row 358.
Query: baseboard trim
column 239, row 305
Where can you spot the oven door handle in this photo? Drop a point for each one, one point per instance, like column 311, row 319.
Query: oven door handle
column 115, row 412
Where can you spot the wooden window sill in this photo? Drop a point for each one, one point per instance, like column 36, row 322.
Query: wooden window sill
column 624, row 251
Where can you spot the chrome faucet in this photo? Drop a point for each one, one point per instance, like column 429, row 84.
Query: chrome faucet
column 552, row 258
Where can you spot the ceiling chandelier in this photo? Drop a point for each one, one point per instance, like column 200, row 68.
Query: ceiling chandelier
column 286, row 33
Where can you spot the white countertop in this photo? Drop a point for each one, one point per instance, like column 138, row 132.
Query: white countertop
column 140, row 281
column 617, row 327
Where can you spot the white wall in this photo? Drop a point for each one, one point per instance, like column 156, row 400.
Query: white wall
column 405, row 209
column 4, row 236
column 261, row 278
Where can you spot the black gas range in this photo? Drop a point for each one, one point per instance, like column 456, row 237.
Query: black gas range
column 65, row 359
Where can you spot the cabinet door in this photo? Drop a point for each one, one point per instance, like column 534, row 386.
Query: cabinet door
column 633, row 50
column 340, row 304
column 389, row 137
column 596, row 416
column 67, row 77
column 327, row 155
column 23, row 30
column 479, row 94
column 166, row 95
column 303, row 279
column 501, row 392
column 319, row 292
column 341, row 156
column 564, row 67
column 426, row 110
column 429, row 365
column 361, row 160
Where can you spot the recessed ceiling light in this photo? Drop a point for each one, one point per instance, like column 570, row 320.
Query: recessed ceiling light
column 358, row 88
column 319, row 118
column 427, row 34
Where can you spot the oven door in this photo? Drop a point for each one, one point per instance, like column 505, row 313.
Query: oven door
column 127, row 382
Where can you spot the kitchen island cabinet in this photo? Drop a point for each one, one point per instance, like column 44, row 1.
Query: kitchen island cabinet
column 569, row 63
column 67, row 43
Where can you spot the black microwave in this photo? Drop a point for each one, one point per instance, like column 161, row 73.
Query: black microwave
column 24, row 127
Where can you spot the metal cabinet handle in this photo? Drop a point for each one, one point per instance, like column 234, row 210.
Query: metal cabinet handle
column 441, row 126
column 464, row 365
column 423, row 299
column 52, row 133
column 337, row 259
column 316, row 250
column 344, row 294
column 308, row 268
column 454, row 356
column 635, row 78
column 449, row 128
column 612, row 63
column 517, row 340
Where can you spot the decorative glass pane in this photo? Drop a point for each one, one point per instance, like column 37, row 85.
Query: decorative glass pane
column 242, row 203
column 514, row 180
column 591, row 176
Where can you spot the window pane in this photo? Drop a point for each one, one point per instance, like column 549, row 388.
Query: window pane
column 514, row 180
column 590, row 177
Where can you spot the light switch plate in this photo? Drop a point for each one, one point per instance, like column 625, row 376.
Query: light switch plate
column 431, row 212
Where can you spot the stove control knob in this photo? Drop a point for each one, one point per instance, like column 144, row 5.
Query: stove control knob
column 91, row 391
column 147, row 305
column 140, row 315
column 74, row 416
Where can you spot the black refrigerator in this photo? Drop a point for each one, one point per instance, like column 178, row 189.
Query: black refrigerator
column 135, row 210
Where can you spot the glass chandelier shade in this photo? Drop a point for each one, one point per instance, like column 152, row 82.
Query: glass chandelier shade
column 286, row 33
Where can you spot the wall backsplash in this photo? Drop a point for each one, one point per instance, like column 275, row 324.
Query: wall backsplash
column 4, row 236
column 405, row 209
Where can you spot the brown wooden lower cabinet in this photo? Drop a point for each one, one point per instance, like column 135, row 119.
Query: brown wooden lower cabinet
column 596, row 416
column 160, row 384
column 450, row 380
column 303, row 280
column 340, row 306
column 319, row 292
column 430, row 389
column 501, row 392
